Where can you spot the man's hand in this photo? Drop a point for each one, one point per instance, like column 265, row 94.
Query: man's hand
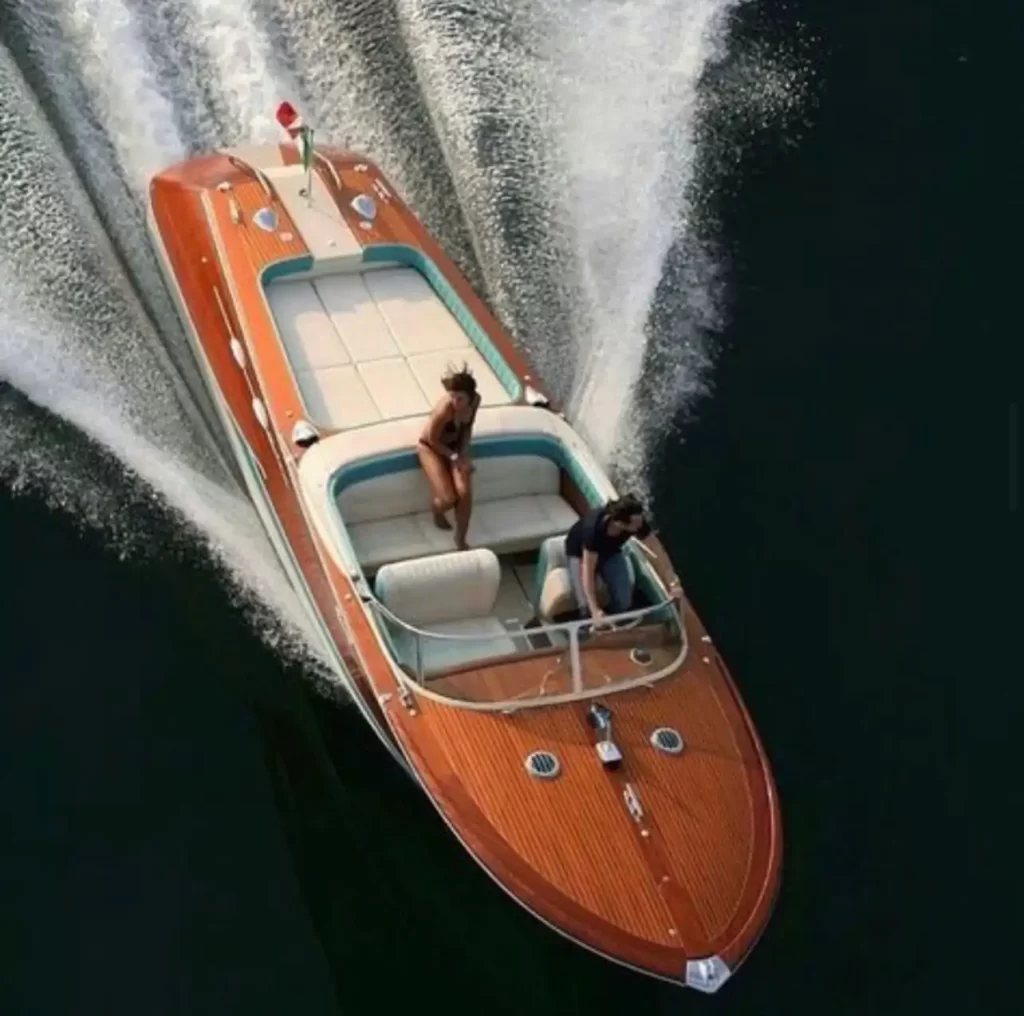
column 463, row 465
column 675, row 590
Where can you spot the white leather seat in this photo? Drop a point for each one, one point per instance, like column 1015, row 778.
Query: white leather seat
column 516, row 506
column 445, row 594
column 554, row 595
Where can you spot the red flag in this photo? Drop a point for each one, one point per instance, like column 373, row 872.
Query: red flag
column 288, row 117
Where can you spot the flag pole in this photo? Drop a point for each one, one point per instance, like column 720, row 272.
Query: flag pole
column 308, row 156
column 302, row 137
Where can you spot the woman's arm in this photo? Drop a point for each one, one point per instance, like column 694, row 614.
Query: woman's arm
column 467, row 431
column 432, row 431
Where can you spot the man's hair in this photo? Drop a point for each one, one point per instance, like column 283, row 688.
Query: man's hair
column 624, row 508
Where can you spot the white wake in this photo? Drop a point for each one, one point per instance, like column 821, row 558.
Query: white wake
column 569, row 130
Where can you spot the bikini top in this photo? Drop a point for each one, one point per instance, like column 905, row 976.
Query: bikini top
column 453, row 431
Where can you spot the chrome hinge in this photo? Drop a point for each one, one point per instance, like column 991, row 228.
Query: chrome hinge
column 633, row 803
column 405, row 696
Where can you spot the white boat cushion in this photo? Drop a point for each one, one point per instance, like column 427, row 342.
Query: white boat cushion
column 445, row 587
column 516, row 507
column 448, row 594
column 556, row 596
column 554, row 593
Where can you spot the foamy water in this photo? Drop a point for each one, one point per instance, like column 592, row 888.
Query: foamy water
column 554, row 147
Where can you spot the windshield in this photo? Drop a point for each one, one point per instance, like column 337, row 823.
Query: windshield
column 492, row 665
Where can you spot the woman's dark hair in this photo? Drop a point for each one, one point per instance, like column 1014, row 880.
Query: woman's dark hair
column 460, row 381
column 624, row 508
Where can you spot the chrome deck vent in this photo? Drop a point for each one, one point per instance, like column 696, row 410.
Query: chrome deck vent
column 641, row 657
column 667, row 740
column 543, row 765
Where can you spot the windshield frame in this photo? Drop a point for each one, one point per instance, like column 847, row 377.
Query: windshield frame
column 378, row 613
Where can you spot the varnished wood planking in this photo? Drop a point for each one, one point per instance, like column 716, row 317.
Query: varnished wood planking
column 699, row 803
column 572, row 494
column 699, row 799
column 199, row 174
column 548, row 671
column 245, row 261
column 546, row 675
column 426, row 750
column 582, row 847
column 604, row 668
column 264, row 247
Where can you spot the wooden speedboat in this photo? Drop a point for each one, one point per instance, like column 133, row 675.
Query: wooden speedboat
column 613, row 782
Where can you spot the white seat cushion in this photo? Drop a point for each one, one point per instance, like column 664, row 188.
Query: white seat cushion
column 519, row 523
column 517, row 506
column 506, row 527
column 448, row 594
column 556, row 596
column 398, row 539
column 446, row 587
column 408, row 493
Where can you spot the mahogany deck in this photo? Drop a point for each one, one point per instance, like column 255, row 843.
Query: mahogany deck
column 546, row 673
column 697, row 873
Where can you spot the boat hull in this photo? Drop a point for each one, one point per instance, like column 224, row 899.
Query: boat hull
column 691, row 894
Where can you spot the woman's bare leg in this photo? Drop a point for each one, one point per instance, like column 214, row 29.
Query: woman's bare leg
column 439, row 477
column 463, row 506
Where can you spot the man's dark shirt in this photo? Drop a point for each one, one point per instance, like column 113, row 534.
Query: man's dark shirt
column 591, row 533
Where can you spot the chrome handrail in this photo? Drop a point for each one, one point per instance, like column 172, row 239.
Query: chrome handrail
column 255, row 171
column 608, row 623
column 330, row 165
column 571, row 628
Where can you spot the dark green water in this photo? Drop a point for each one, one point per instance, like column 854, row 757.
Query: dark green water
column 187, row 830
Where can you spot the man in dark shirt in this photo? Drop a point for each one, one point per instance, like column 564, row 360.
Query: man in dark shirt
column 594, row 547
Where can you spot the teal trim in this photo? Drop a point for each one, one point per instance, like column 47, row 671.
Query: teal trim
column 413, row 257
column 541, row 445
column 644, row 578
column 290, row 266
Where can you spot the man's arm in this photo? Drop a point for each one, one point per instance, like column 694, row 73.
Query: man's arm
column 588, row 572
column 655, row 552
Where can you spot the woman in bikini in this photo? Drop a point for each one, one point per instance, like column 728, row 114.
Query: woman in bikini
column 443, row 450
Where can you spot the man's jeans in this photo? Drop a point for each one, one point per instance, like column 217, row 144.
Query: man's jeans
column 616, row 574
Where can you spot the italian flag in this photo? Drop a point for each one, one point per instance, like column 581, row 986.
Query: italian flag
column 288, row 117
